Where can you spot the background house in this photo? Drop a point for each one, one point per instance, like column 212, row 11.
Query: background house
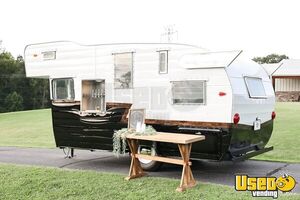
column 286, row 79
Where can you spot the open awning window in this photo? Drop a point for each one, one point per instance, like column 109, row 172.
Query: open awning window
column 255, row 87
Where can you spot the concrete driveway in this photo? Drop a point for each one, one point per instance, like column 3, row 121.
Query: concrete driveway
column 204, row 171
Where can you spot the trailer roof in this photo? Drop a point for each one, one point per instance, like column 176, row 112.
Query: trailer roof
column 209, row 59
column 116, row 44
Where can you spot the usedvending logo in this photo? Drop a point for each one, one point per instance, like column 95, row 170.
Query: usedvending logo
column 264, row 186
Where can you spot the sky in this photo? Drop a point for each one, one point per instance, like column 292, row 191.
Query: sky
column 258, row 27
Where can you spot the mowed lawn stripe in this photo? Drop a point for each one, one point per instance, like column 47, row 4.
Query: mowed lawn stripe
column 27, row 129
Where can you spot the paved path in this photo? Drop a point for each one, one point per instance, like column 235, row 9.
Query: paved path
column 204, row 171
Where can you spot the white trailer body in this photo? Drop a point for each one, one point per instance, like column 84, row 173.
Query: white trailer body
column 182, row 88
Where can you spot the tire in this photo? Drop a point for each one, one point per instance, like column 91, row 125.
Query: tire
column 149, row 165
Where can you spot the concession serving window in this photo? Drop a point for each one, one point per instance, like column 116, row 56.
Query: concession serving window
column 93, row 96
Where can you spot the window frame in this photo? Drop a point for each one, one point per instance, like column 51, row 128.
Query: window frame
column 166, row 61
column 49, row 55
column 54, row 93
column 132, row 63
column 204, row 82
column 247, row 86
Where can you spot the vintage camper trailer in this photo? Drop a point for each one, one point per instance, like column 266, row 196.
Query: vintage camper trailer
column 183, row 88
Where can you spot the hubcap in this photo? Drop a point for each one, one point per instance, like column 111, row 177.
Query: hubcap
column 146, row 151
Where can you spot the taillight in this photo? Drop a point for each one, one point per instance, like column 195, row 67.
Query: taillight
column 273, row 115
column 222, row 94
column 236, row 118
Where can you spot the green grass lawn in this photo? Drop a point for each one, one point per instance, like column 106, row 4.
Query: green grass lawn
column 27, row 129
column 286, row 134
column 24, row 182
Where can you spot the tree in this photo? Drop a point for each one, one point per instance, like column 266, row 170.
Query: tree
column 13, row 102
column 18, row 92
column 272, row 58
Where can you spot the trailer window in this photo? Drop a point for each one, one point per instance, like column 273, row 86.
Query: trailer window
column 188, row 92
column 163, row 62
column 123, row 70
column 255, row 87
column 63, row 89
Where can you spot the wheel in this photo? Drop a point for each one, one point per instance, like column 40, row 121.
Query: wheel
column 149, row 165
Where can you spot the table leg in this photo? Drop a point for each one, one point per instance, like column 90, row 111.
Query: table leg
column 135, row 169
column 187, row 178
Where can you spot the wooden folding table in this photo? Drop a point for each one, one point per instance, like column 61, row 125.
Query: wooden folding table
column 184, row 142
